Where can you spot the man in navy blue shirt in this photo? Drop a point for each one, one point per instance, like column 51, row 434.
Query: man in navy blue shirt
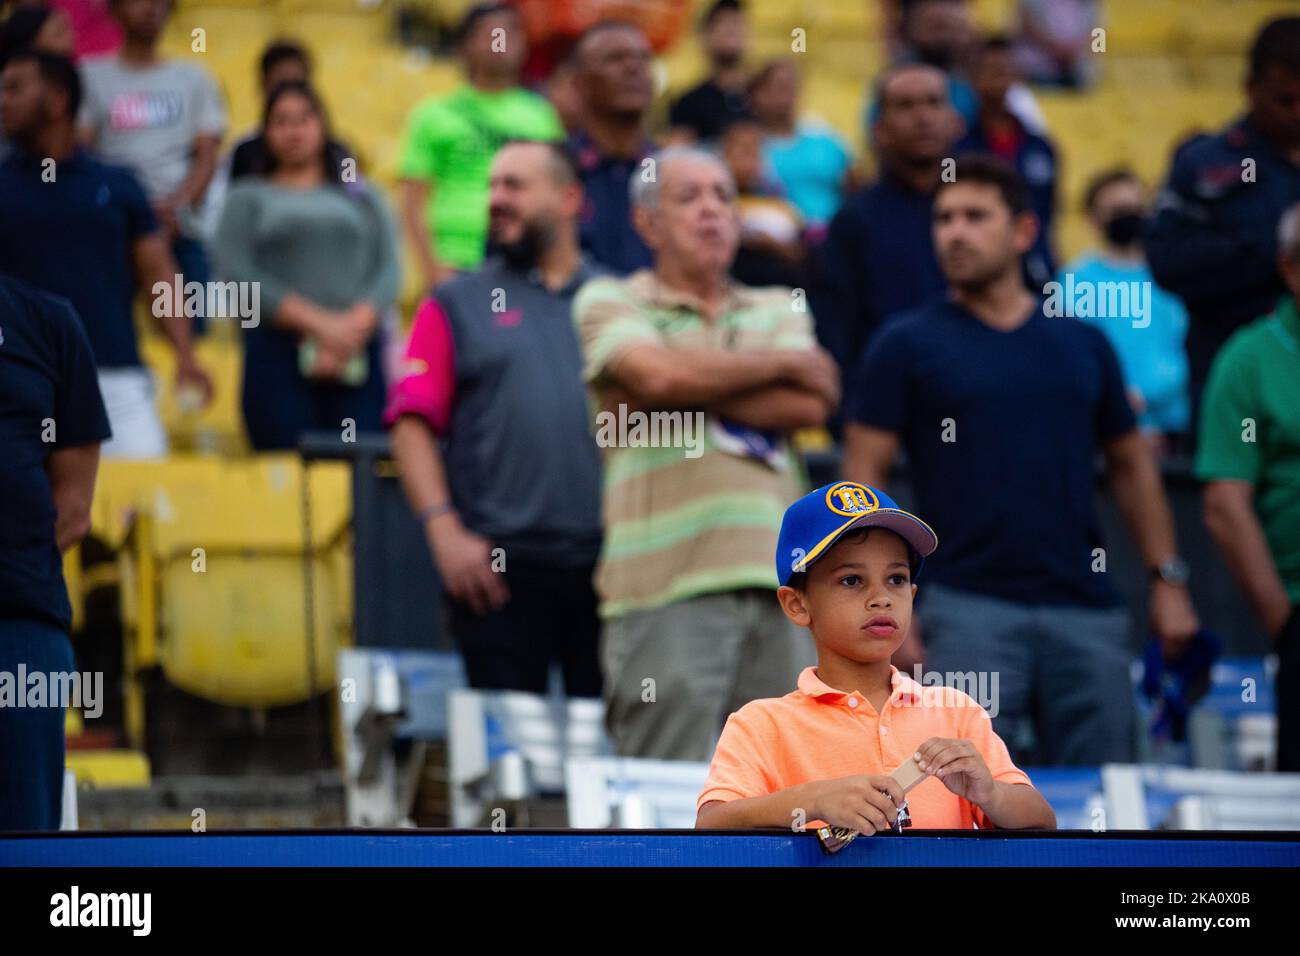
column 999, row 131
column 52, row 420
column 1213, row 239
column 613, row 78
column 1001, row 410
column 81, row 229
column 878, row 257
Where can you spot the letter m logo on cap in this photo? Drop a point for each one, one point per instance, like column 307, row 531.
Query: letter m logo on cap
column 850, row 498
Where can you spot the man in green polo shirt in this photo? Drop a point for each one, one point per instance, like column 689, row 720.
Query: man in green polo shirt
column 1249, row 457
column 449, row 143
column 692, row 627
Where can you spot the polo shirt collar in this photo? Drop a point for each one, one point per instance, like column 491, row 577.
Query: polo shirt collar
column 905, row 689
column 589, row 156
column 533, row 275
column 1249, row 138
column 648, row 287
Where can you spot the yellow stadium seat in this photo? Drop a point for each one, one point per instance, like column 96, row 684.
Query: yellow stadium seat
column 72, row 579
column 213, row 576
column 1170, row 67
column 106, row 769
column 218, row 428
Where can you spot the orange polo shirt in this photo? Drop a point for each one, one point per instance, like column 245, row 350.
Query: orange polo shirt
column 819, row 733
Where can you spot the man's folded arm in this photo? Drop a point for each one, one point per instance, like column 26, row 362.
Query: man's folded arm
column 667, row 377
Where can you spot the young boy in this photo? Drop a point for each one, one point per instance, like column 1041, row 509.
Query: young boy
column 846, row 559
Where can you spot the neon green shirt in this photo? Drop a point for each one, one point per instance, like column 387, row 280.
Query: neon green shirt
column 1250, row 429
column 449, row 142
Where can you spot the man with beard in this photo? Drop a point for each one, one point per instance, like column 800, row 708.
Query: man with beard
column 705, row 111
column 491, row 431
column 1001, row 409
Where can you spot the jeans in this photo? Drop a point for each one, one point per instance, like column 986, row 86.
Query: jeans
column 192, row 260
column 31, row 738
column 1062, row 668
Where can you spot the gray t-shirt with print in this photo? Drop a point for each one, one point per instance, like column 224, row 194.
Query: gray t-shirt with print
column 146, row 118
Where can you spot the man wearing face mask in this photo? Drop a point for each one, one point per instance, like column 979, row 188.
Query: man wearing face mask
column 1149, row 341
column 1212, row 239
column 491, row 431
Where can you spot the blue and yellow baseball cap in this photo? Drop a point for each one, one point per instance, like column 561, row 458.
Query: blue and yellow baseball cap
column 818, row 519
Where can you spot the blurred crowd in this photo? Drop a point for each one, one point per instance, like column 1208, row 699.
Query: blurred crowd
column 583, row 249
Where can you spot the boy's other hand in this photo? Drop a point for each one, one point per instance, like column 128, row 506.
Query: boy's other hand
column 959, row 765
column 867, row 803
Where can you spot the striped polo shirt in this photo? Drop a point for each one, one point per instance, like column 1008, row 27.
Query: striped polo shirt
column 684, row 522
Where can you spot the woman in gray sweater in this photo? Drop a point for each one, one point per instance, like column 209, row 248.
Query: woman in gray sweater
column 321, row 247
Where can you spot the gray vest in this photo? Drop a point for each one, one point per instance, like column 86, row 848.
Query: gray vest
column 521, row 459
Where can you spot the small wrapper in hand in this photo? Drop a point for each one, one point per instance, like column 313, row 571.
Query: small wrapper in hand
column 908, row 775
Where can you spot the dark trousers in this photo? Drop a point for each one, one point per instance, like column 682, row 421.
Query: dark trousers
column 192, row 259
column 279, row 404
column 31, row 738
column 551, row 615
column 1288, row 694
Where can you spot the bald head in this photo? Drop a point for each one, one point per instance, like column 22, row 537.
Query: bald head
column 534, row 199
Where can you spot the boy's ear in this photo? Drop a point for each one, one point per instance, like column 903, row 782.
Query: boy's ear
column 792, row 603
column 914, row 591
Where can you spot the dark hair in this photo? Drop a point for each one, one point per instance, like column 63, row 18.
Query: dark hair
column 171, row 6
column 1277, row 44
column 57, row 71
column 281, row 51
column 600, row 26
column 743, row 118
column 996, row 43
column 886, row 77
column 18, row 32
column 561, row 155
column 1103, row 180
column 764, row 72
column 988, row 170
column 909, row 8
column 717, row 9
column 332, row 156
column 476, row 13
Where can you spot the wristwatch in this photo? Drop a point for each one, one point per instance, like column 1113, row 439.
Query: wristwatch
column 1172, row 570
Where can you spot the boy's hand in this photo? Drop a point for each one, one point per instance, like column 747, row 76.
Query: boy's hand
column 959, row 765
column 858, row 802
